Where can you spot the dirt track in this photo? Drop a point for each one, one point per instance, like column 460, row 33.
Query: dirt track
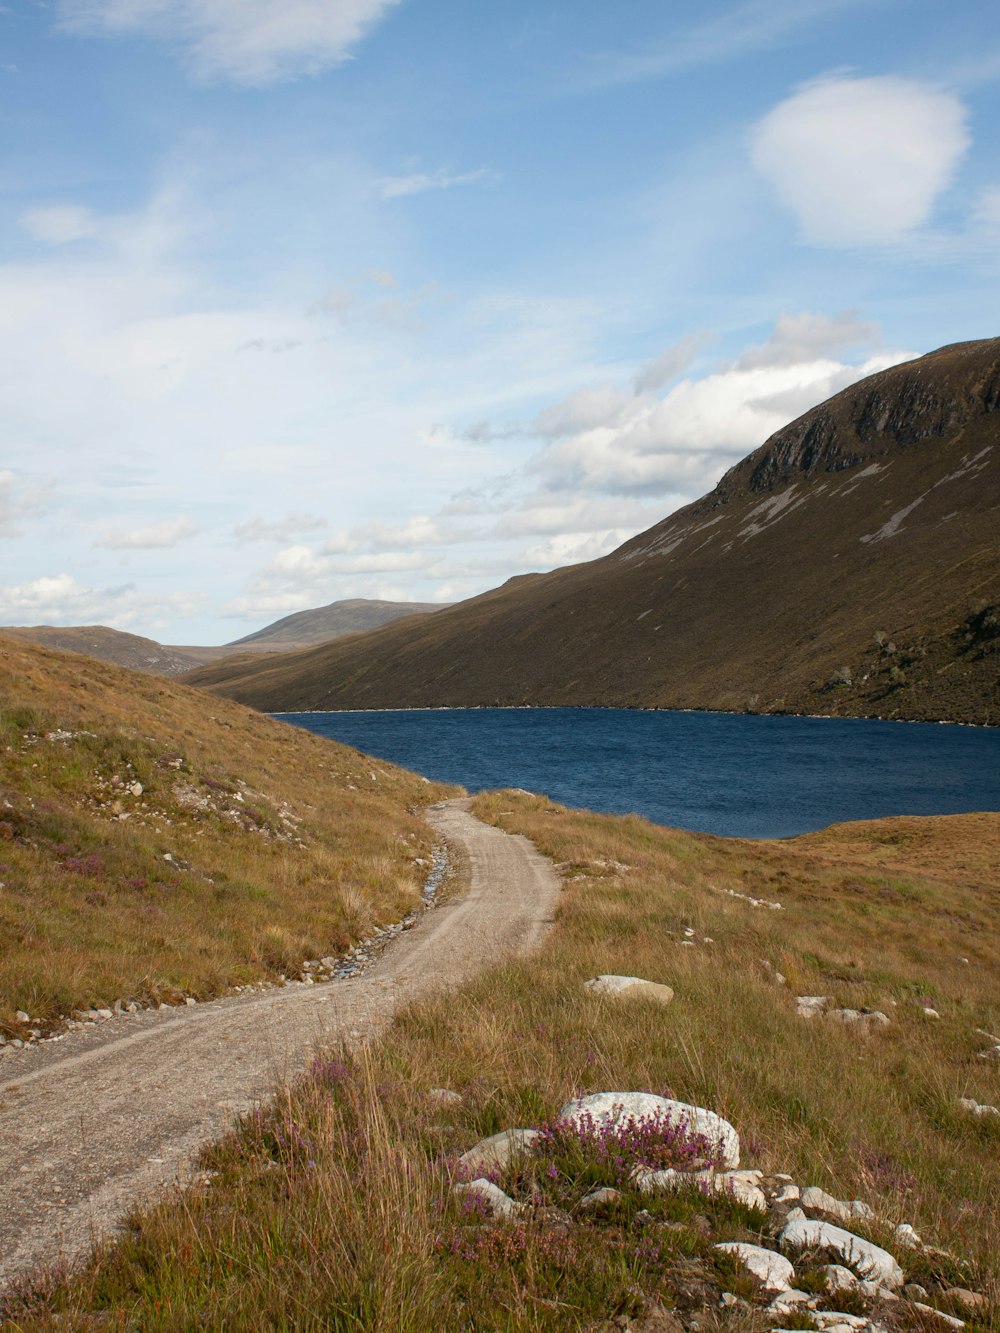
column 93, row 1123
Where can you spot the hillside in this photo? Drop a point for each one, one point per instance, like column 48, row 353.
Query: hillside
column 152, row 848
column 851, row 565
column 300, row 630
column 330, row 622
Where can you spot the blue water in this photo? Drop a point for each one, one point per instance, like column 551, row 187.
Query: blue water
column 734, row 774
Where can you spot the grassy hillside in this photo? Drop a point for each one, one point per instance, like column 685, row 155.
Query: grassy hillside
column 154, row 844
column 322, row 623
column 334, row 1209
column 851, row 566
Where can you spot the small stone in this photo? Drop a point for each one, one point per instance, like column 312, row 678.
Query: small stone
column 949, row 1320
column 445, row 1097
column 743, row 1186
column 837, row 1319
column 499, row 1150
column 863, row 1019
column 492, row 1197
column 787, row 1195
column 969, row 1300
column 837, row 1278
column 930, row 1013
column 915, row 1291
column 135, row 788
column 811, row 1006
column 906, row 1235
column 22, row 1017
column 630, row 987
column 601, row 1198
column 669, row 1181
column 788, row 1301
column 977, row 1108
column 189, row 999
column 104, row 1013
column 772, row 1270
column 727, row 1300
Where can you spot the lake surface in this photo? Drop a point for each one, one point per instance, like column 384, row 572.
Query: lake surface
column 734, row 774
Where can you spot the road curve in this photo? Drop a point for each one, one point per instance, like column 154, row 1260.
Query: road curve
column 104, row 1118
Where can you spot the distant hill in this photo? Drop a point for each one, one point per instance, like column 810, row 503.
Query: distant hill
column 850, row 565
column 330, row 622
column 110, row 645
column 301, row 630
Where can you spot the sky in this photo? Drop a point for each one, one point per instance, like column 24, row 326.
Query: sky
column 321, row 299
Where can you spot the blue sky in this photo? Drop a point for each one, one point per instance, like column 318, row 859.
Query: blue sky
column 399, row 298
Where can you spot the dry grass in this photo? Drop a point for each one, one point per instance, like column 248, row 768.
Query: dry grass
column 282, row 846
column 332, row 1208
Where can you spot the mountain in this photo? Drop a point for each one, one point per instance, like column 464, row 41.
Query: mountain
column 300, row 630
column 330, row 622
column 850, row 565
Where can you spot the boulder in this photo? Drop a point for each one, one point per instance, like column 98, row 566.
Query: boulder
column 600, row 1198
column 939, row 1316
column 811, row 1006
column 630, row 987
column 499, row 1150
column 837, row 1279
column 773, row 1271
column 491, row 1197
column 866, row 1259
column 604, row 1110
column 968, row 1300
column 866, row 1020
column 648, row 1181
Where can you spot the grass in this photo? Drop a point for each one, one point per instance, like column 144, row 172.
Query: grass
column 332, row 1207
column 150, row 851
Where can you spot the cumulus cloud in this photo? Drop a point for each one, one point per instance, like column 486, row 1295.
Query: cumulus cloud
column 251, row 42
column 808, row 337
column 419, row 182
column 161, row 536
column 861, row 161
column 59, row 599
column 278, row 530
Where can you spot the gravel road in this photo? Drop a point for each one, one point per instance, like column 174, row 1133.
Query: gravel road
column 91, row 1124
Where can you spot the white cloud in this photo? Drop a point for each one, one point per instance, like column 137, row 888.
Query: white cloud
column 18, row 502
column 809, row 337
column 252, row 42
column 582, row 410
column 658, row 373
column 58, row 599
column 861, row 161
column 279, row 530
column 60, row 224
column 418, row 182
column 161, row 536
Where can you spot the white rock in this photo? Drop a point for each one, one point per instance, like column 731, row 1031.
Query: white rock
column 930, row 1013
column 947, row 1319
column 815, row 1200
column 615, row 1109
column 772, row 1270
column 742, row 1186
column 135, row 788
column 837, row 1278
column 977, row 1108
column 600, row 1198
column 497, row 1203
column 788, row 1194
column 610, row 984
column 445, row 1097
column 830, row 1319
column 906, row 1235
column 865, row 1019
column 810, row 1006
column 499, row 1150
column 669, row 1181
column 867, row 1260
column 788, row 1301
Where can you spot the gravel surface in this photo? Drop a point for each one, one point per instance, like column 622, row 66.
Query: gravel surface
column 104, row 1118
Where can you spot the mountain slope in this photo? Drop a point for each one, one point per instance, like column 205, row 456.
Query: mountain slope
column 850, row 565
column 110, row 645
column 330, row 622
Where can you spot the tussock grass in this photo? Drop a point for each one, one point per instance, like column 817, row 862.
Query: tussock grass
column 332, row 1208
column 155, row 845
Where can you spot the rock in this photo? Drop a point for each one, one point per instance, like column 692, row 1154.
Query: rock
column 867, row 1260
column 865, row 1020
column 977, row 1108
column 602, row 1198
column 104, row 1013
column 22, row 1017
column 993, row 1053
column 630, row 987
column 499, row 1150
column 837, row 1278
column 135, row 788
column 743, row 1186
column 444, row 1097
column 773, row 1271
column 811, row 1006
column 786, row 1302
column 492, row 1197
column 949, row 1320
column 613, row 1109
column 788, row 1196
column 727, row 1300
column 906, row 1235
column 930, row 1013
column 815, row 1200
column 648, row 1181
column 969, row 1300
column 831, row 1319
column 915, row 1291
